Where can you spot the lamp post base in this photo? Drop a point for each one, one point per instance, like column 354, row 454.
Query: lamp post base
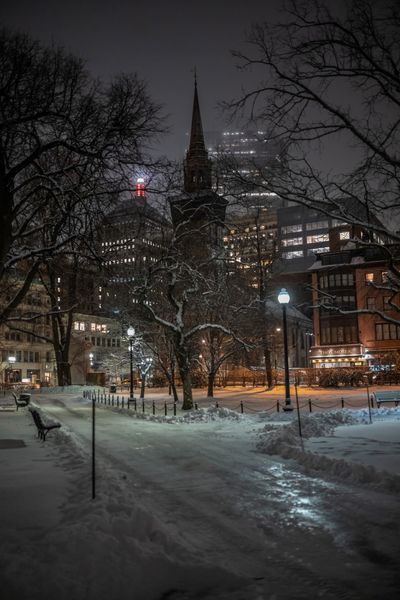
column 288, row 406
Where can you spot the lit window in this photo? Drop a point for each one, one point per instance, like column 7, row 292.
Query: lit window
column 297, row 241
column 292, row 228
column 384, row 277
column 318, row 239
column 293, row 254
column 344, row 235
column 369, row 278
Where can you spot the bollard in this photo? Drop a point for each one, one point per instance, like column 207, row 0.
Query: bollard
column 134, row 404
column 277, row 406
column 165, row 409
column 118, row 401
column 154, row 408
column 342, row 399
column 216, row 404
column 123, row 403
column 174, row 409
column 310, row 404
column 143, row 406
column 241, row 406
column 112, row 401
column 195, row 406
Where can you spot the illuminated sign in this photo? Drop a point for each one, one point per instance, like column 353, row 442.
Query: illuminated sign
column 355, row 350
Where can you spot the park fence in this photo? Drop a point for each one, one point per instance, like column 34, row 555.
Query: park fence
column 170, row 408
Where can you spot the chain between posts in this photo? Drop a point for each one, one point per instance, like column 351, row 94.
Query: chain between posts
column 119, row 402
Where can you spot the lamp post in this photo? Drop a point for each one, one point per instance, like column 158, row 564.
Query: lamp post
column 131, row 333
column 284, row 299
column 144, row 369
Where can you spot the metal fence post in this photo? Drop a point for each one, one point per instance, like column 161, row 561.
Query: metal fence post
column 154, row 408
column 241, row 406
column 310, row 404
column 342, row 402
column 165, row 408
column 174, row 409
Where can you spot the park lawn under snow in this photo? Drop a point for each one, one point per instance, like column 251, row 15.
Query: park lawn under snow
column 58, row 543
column 343, row 444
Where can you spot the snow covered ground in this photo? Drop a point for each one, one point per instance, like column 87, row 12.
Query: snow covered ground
column 209, row 505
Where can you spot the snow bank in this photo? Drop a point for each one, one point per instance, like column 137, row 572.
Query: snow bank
column 284, row 440
column 202, row 415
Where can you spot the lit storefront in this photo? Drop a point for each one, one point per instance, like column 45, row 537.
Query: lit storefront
column 347, row 355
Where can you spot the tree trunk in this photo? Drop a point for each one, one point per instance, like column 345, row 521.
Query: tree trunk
column 142, row 386
column 268, row 366
column 210, row 386
column 187, row 403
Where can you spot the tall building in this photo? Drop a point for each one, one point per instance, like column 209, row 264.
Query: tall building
column 243, row 162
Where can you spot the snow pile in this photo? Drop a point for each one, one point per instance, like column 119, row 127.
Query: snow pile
column 284, row 440
column 202, row 415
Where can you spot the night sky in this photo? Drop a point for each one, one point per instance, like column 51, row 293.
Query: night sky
column 161, row 40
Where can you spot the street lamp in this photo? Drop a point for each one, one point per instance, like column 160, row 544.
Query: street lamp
column 131, row 333
column 284, row 299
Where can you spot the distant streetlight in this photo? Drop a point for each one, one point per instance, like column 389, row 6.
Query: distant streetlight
column 284, row 299
column 91, row 357
column 131, row 333
column 12, row 359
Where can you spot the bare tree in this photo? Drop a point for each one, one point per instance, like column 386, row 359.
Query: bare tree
column 330, row 80
column 67, row 144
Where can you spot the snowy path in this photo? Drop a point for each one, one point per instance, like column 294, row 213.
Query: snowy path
column 260, row 519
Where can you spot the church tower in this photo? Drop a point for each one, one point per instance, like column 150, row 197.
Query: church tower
column 198, row 214
column 197, row 166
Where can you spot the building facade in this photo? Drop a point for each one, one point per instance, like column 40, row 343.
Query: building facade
column 355, row 309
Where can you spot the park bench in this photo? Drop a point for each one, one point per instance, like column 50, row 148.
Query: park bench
column 381, row 397
column 21, row 400
column 43, row 428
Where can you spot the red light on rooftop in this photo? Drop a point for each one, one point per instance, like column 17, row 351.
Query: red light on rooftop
column 140, row 190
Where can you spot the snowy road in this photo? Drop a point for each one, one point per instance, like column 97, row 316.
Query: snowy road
column 276, row 532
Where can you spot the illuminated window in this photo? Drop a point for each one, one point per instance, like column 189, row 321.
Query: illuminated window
column 292, row 228
column 344, row 235
column 369, row 278
column 384, row 277
column 297, row 241
column 318, row 239
column 319, row 250
column 293, row 254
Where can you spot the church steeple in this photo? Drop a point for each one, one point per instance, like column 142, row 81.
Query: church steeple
column 197, row 166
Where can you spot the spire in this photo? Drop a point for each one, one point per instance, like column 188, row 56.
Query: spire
column 197, row 166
